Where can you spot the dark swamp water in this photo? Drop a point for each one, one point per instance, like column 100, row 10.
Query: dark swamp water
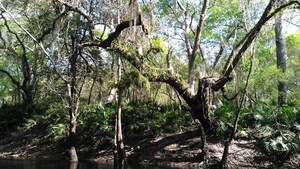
column 18, row 163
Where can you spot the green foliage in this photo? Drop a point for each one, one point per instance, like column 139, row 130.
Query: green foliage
column 96, row 123
column 11, row 116
column 273, row 124
column 288, row 113
column 222, row 15
column 282, row 142
column 293, row 45
column 57, row 131
column 100, row 34
column 158, row 44
column 133, row 78
column 163, row 6
column 224, row 115
column 153, row 119
column 30, row 123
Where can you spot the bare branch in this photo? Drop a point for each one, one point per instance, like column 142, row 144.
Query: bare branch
column 222, row 46
column 200, row 27
column 181, row 6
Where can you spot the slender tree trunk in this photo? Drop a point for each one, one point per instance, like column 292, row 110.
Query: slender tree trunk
column 73, row 165
column 223, row 163
column 71, row 142
column 91, row 91
column 281, row 60
column 73, row 104
column 203, row 147
column 191, row 76
column 116, row 161
column 122, row 160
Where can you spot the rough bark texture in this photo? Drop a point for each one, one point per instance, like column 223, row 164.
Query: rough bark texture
column 72, row 154
column 202, row 103
column 280, row 53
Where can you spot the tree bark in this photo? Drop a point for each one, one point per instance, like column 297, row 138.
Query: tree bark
column 71, row 142
column 73, row 104
column 121, row 154
column 280, row 54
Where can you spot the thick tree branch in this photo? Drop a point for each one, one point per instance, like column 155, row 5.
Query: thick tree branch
column 107, row 43
column 173, row 80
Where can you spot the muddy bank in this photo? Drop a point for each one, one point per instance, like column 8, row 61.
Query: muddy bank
column 171, row 149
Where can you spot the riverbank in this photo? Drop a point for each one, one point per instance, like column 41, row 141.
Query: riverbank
column 169, row 149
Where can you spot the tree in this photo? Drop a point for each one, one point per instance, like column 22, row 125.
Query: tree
column 24, row 60
column 200, row 103
column 78, row 27
column 280, row 53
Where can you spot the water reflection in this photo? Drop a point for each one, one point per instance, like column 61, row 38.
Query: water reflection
column 73, row 165
column 18, row 163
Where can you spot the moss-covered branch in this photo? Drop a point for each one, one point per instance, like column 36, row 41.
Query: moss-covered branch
column 108, row 42
column 133, row 78
column 172, row 79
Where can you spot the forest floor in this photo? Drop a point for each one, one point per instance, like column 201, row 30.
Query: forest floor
column 178, row 150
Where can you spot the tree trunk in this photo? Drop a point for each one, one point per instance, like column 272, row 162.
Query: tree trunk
column 201, row 106
column 72, row 154
column 91, row 91
column 201, row 112
column 73, row 104
column 191, row 76
column 120, row 154
column 71, row 142
column 280, row 53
